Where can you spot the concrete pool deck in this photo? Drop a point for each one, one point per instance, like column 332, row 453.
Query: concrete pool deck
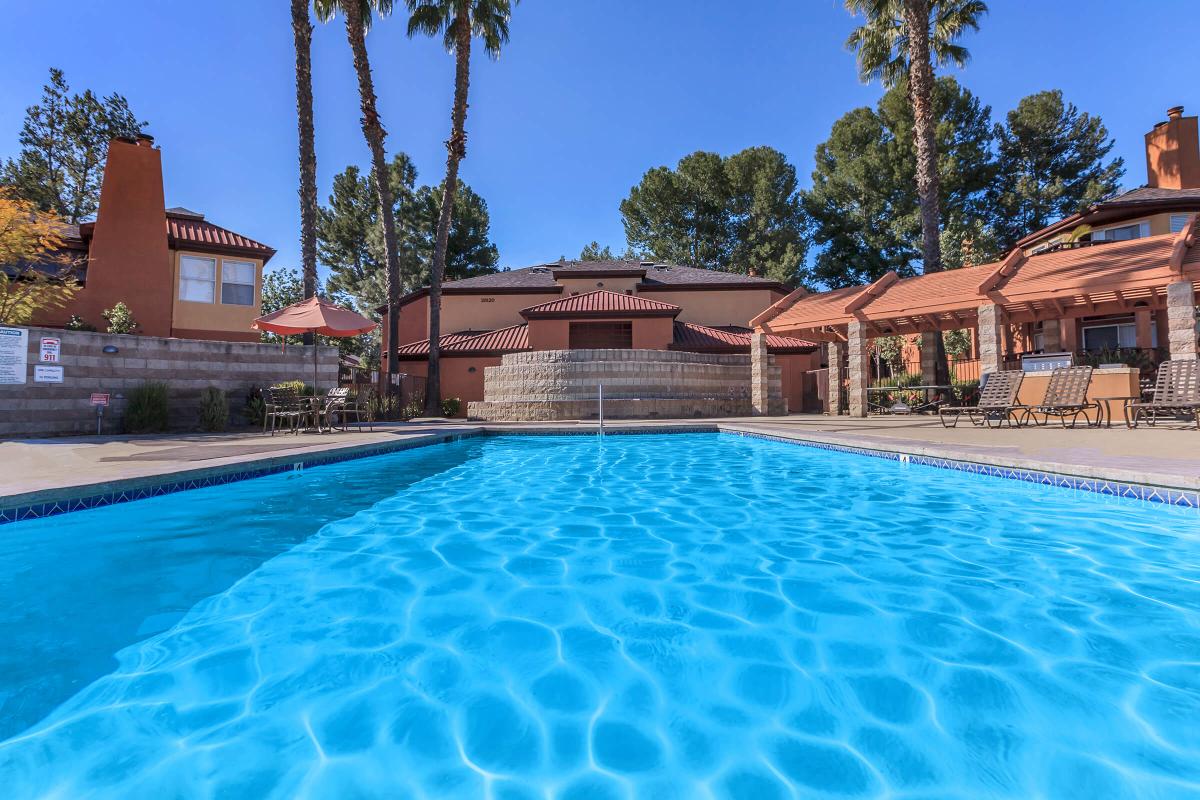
column 44, row 470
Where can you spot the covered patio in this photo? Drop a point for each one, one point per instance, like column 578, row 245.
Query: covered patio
column 1024, row 304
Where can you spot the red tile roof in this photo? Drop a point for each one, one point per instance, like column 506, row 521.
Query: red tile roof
column 602, row 302
column 1119, row 272
column 700, row 338
column 504, row 340
column 191, row 230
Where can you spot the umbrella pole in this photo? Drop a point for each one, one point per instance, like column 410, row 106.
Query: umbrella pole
column 316, row 391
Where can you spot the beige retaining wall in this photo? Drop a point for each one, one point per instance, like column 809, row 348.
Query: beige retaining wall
column 638, row 384
column 187, row 366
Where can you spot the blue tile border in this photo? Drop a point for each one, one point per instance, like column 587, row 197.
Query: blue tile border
column 51, row 508
column 1135, row 491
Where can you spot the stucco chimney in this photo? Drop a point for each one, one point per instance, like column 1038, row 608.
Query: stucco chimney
column 128, row 259
column 1173, row 152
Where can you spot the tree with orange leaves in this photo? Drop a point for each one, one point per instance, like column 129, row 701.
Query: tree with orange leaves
column 35, row 273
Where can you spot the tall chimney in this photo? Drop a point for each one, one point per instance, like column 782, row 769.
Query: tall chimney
column 128, row 260
column 1173, row 152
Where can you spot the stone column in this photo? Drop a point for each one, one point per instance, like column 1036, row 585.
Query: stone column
column 859, row 353
column 929, row 357
column 1051, row 336
column 836, row 353
column 1144, row 326
column 1181, row 319
column 990, row 331
column 760, row 379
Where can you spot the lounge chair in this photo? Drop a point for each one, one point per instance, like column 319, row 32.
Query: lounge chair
column 341, row 403
column 283, row 406
column 1176, row 392
column 1066, row 397
column 997, row 402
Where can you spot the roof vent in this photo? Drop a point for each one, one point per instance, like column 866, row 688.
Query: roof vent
column 540, row 270
column 647, row 263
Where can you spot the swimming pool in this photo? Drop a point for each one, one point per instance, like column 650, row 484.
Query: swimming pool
column 694, row 615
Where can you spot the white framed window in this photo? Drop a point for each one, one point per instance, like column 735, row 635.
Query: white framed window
column 1122, row 233
column 1110, row 336
column 237, row 283
column 197, row 279
column 1178, row 221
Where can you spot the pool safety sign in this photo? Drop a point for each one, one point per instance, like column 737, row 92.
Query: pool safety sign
column 14, row 354
column 44, row 374
column 99, row 398
column 51, row 349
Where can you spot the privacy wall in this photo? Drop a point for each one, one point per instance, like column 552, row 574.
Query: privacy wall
column 55, row 397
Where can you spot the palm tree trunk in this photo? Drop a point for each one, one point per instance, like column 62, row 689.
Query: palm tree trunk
column 302, row 32
column 920, row 89
column 456, row 150
column 374, row 134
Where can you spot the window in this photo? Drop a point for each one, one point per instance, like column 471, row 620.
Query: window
column 1110, row 337
column 1135, row 231
column 1178, row 221
column 237, row 283
column 601, row 335
column 197, row 279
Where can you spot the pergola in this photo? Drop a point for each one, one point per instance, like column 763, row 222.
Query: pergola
column 1136, row 277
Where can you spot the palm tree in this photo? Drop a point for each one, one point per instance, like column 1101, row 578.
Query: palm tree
column 457, row 21
column 899, row 43
column 302, row 33
column 358, row 19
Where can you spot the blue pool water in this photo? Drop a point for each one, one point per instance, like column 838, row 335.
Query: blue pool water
column 644, row 617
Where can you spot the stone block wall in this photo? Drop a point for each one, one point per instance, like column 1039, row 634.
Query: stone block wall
column 187, row 366
column 638, row 384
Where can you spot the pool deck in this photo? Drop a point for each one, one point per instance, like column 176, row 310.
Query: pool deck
column 44, row 470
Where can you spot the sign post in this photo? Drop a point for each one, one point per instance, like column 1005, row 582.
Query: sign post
column 100, row 401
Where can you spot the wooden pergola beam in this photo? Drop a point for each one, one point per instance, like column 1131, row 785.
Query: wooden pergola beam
column 868, row 294
column 1183, row 240
column 1007, row 267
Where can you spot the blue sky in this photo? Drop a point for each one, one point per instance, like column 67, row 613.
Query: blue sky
column 588, row 95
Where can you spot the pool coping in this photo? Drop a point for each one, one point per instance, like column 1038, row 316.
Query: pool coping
column 1104, row 481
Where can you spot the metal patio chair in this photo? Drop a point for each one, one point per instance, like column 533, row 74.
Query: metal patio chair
column 283, row 406
column 1066, row 398
column 997, row 402
column 1176, row 392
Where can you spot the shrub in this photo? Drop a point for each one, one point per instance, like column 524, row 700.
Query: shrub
column 256, row 407
column 146, row 408
column 299, row 387
column 120, row 319
column 214, row 410
column 76, row 323
column 451, row 406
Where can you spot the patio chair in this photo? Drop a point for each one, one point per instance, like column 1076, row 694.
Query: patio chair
column 997, row 402
column 283, row 406
column 1066, row 398
column 1176, row 392
column 344, row 405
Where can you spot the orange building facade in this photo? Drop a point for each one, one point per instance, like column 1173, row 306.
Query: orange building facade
column 588, row 305
column 179, row 274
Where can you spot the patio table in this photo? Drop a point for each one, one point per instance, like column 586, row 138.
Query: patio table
column 926, row 405
column 1103, row 403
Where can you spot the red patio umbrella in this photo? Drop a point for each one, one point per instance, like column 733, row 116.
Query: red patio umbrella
column 314, row 315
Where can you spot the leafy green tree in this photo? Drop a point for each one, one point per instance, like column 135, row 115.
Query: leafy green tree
column 864, row 207
column 457, row 22
column 1051, row 165
column 594, row 252
column 901, row 41
column 735, row 214
column 64, row 143
column 348, row 239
